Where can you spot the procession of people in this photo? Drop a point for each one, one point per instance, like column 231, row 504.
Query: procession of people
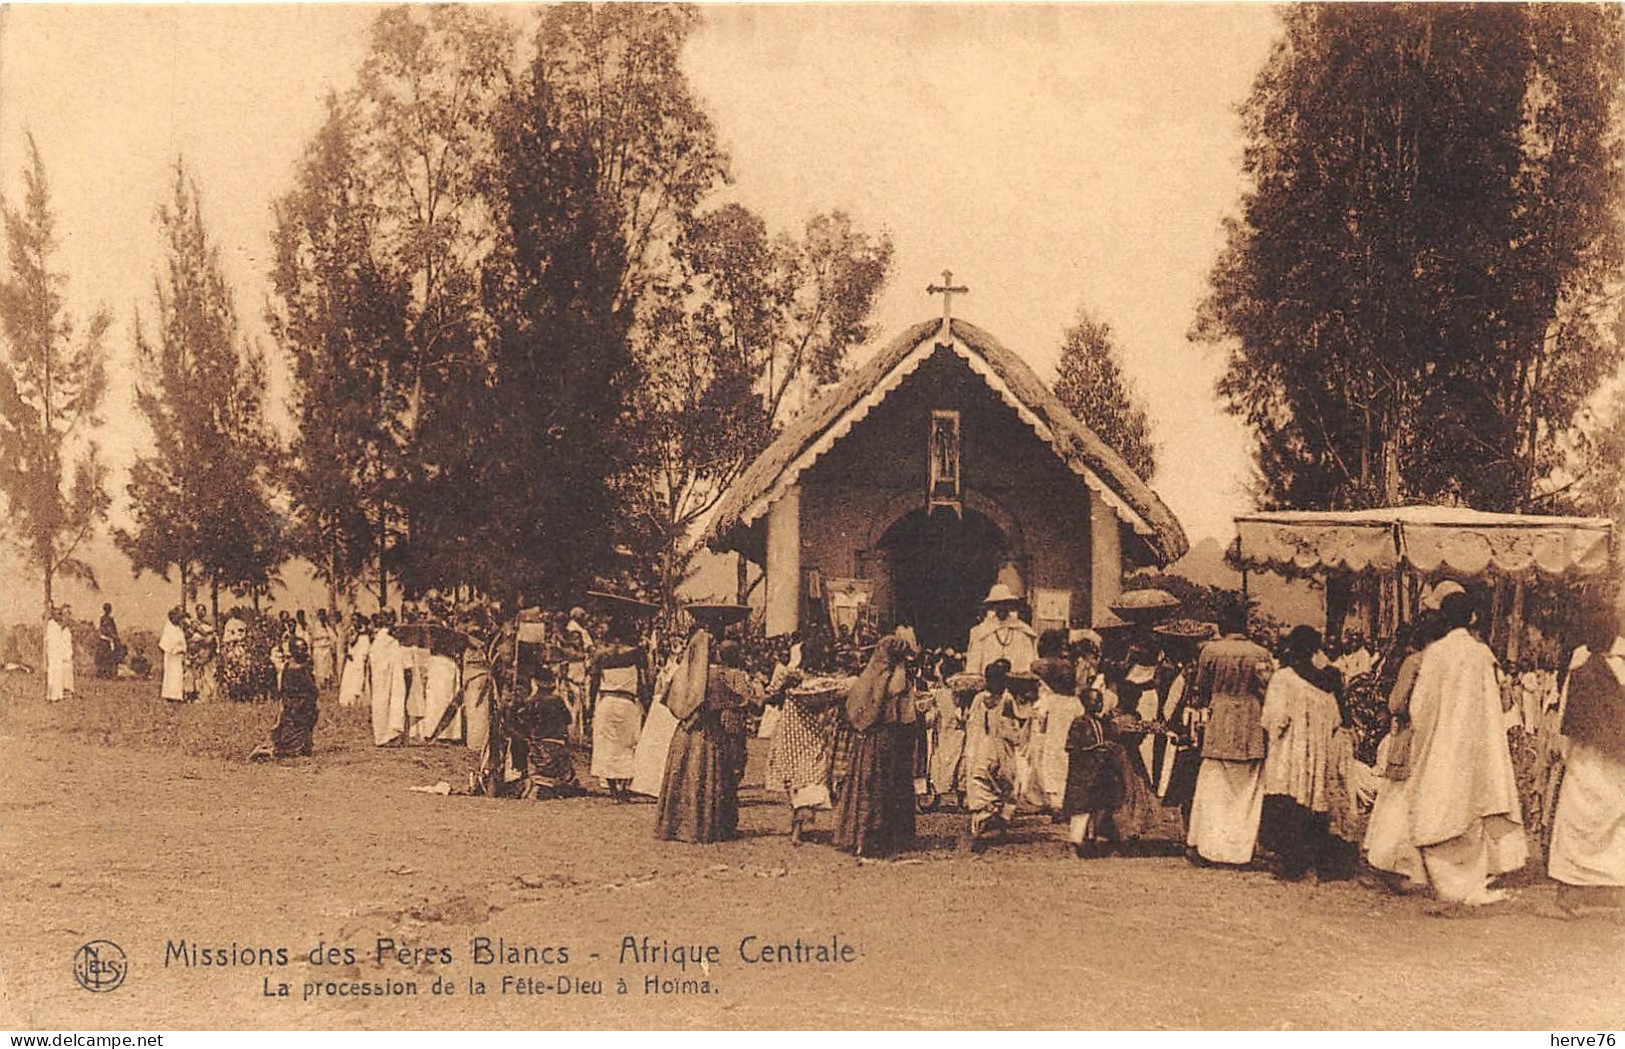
column 1275, row 754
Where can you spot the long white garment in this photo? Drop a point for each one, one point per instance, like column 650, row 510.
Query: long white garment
column 173, row 645
column 388, row 689
column 616, row 719
column 994, row 638
column 1465, row 813
column 416, row 659
column 53, row 675
column 1387, row 845
column 1225, row 811
column 323, row 646
column 353, row 684
column 1298, row 720
column 476, row 703
column 58, row 660
column 439, row 689
column 1588, row 831
column 1048, row 759
column 649, row 760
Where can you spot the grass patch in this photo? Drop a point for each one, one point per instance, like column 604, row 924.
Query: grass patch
column 130, row 714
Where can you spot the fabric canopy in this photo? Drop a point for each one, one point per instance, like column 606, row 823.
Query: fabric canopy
column 1430, row 539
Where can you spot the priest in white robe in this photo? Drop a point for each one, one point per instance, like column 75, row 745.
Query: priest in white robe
column 1465, row 815
column 388, row 684
column 172, row 643
column 1001, row 635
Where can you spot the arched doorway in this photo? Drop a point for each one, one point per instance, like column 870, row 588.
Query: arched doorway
column 940, row 568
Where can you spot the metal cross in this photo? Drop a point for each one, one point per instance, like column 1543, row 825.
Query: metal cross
column 947, row 289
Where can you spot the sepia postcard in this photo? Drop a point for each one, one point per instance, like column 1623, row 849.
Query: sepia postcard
column 812, row 516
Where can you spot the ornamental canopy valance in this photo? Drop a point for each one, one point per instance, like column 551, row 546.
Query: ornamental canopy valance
column 1431, row 539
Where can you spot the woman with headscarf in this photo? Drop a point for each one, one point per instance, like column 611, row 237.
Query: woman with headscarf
column 874, row 808
column 699, row 796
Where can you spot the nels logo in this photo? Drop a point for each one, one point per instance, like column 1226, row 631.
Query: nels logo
column 100, row 966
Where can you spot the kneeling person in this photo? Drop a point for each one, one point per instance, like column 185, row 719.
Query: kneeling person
column 296, row 727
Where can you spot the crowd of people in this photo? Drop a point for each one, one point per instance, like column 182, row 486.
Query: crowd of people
column 1424, row 764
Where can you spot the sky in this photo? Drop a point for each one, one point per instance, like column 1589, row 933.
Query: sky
column 1053, row 157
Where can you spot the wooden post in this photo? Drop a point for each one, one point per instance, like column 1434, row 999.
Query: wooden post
column 783, row 613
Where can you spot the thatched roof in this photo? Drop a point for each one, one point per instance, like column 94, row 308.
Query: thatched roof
column 830, row 417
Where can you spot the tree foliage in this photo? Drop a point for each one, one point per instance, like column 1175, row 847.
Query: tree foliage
column 565, row 357
column 752, row 327
column 1415, row 295
column 1089, row 380
column 51, row 387
column 424, row 105
column 201, row 499
column 339, row 314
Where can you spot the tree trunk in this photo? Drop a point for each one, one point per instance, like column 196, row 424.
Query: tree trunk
column 50, row 601
column 214, row 601
column 383, row 572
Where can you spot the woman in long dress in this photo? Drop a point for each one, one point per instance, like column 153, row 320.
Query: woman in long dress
column 617, row 684
column 699, row 800
column 874, row 808
column 353, row 683
column 798, row 757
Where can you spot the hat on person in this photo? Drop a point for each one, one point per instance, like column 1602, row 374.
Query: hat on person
column 1001, row 595
column 1434, row 599
column 1083, row 635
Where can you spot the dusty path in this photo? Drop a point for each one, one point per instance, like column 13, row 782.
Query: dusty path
column 120, row 820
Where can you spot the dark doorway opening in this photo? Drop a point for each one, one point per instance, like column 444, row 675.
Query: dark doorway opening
column 941, row 568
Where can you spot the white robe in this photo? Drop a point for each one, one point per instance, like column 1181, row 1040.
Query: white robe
column 388, row 689
column 994, row 639
column 1047, row 756
column 1588, row 831
column 1387, row 844
column 649, row 760
column 173, row 645
column 58, row 660
column 353, row 685
column 439, row 689
column 1225, row 810
column 1464, row 810
column 654, row 742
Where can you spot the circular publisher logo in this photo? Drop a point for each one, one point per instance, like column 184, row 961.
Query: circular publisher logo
column 100, row 966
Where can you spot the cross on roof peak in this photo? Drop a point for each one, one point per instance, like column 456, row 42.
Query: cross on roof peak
column 947, row 289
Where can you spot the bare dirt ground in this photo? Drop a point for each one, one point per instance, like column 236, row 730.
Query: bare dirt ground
column 127, row 819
